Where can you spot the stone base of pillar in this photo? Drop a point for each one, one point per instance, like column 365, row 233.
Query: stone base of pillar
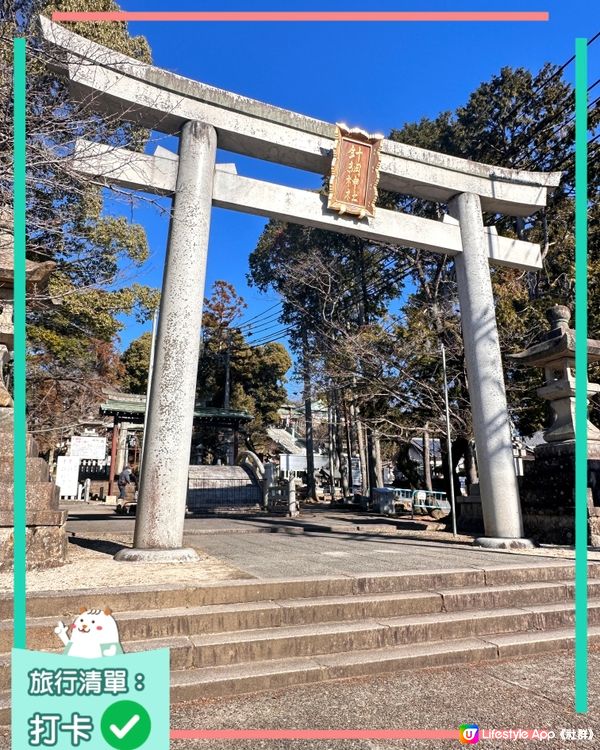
column 469, row 514
column 548, row 492
column 180, row 555
column 496, row 542
column 45, row 535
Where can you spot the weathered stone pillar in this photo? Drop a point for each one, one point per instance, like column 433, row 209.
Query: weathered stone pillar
column 498, row 482
column 163, row 486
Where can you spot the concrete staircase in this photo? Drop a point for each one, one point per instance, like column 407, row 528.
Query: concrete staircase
column 244, row 636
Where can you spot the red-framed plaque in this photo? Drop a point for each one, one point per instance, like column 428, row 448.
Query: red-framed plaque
column 354, row 172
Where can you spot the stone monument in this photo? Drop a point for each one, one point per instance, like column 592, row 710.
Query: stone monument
column 46, row 541
column 548, row 484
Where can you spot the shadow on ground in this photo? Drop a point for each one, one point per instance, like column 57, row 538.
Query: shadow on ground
column 97, row 545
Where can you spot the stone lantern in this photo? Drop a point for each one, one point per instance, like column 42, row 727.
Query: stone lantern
column 548, row 487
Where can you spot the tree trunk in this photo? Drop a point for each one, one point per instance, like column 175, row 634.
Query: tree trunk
column 227, row 387
column 374, row 466
column 341, row 462
column 470, row 466
column 331, row 447
column 378, row 463
column 362, row 449
column 367, row 465
column 446, row 470
column 311, row 487
column 349, row 445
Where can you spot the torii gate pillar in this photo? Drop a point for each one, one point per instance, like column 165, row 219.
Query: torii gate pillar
column 163, row 489
column 498, row 481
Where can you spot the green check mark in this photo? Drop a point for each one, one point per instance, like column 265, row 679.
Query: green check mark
column 125, row 725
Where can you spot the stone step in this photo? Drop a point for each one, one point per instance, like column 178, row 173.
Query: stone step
column 149, row 623
column 229, row 680
column 46, row 546
column 35, row 517
column 36, row 470
column 266, row 644
column 39, row 496
column 328, row 638
column 139, row 598
column 249, row 678
column 220, row 681
column 235, row 617
column 7, row 447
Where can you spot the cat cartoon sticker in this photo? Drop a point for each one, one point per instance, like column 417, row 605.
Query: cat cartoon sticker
column 91, row 635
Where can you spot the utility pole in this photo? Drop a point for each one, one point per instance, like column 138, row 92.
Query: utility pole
column 309, row 440
column 227, row 394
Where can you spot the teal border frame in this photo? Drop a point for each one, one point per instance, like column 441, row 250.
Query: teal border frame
column 581, row 363
column 581, row 301
column 19, row 370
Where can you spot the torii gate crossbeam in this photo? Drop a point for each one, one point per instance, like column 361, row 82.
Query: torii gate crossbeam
column 204, row 117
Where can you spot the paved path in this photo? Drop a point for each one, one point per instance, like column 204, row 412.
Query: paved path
column 284, row 555
column 320, row 542
column 97, row 516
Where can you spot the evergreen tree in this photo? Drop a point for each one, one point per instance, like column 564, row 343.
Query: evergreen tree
column 256, row 373
column 392, row 363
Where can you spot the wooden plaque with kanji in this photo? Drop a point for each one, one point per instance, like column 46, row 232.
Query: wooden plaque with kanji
column 354, row 172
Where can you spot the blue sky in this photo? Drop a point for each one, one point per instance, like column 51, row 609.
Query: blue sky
column 393, row 73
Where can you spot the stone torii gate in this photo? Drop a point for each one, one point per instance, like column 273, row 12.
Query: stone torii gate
column 205, row 117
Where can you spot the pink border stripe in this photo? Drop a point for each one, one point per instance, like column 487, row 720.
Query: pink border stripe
column 301, row 16
column 314, row 734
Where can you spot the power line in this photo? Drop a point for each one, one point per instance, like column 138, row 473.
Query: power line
column 357, row 298
column 550, row 78
column 266, row 323
column 373, row 288
column 271, row 320
column 541, row 128
column 520, row 101
column 571, row 155
column 264, row 327
column 260, row 321
column 258, row 315
column 270, row 338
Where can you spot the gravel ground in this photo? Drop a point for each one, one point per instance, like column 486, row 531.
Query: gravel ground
column 525, row 693
column 91, row 565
